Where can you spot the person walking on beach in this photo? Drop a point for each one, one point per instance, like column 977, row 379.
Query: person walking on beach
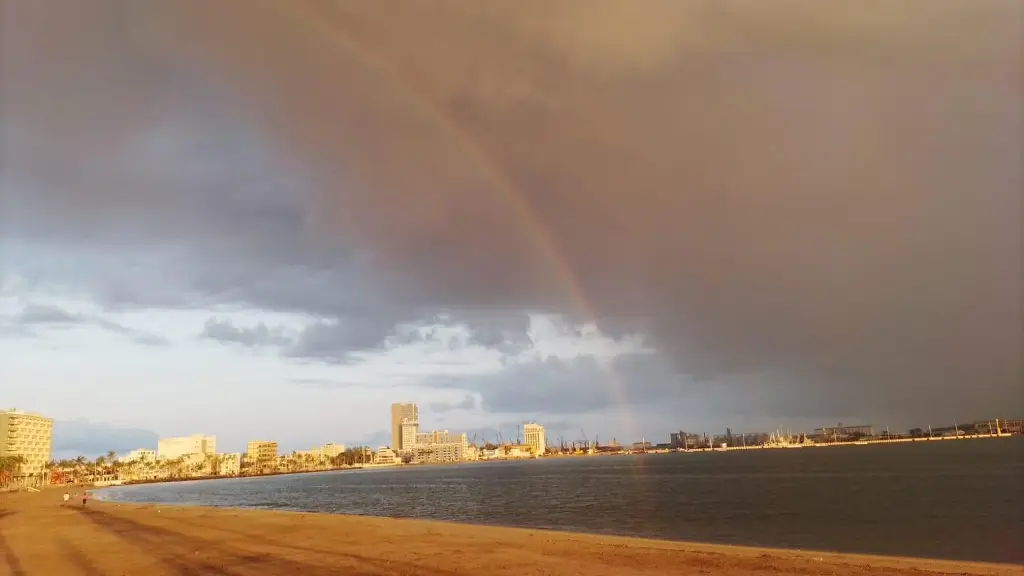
column 66, row 498
column 85, row 497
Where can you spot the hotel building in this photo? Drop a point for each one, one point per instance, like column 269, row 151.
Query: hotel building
column 261, row 453
column 230, row 464
column 27, row 435
column 171, row 448
column 533, row 434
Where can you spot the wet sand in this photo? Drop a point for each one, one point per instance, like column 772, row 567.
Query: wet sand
column 39, row 536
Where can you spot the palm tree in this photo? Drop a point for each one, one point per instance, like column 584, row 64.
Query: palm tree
column 111, row 456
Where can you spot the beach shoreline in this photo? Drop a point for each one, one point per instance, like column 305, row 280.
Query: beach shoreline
column 39, row 536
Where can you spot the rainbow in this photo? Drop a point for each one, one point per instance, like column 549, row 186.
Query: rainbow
column 540, row 237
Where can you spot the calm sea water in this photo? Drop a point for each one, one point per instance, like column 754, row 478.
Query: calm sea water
column 959, row 500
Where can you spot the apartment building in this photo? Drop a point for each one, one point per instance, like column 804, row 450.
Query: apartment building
column 533, row 436
column 409, row 434
column 399, row 414
column 386, row 456
column 27, row 435
column 261, row 453
column 230, row 464
column 434, row 437
column 439, row 447
column 332, row 450
column 171, row 448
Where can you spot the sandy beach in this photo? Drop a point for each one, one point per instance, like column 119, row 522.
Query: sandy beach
column 39, row 536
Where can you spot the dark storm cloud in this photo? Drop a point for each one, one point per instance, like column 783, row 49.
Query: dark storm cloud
column 259, row 335
column 821, row 192
column 45, row 316
column 334, row 340
column 571, row 386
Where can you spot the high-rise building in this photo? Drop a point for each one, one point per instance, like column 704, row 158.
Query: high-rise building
column 400, row 412
column 171, row 448
column 409, row 435
column 534, row 437
column 27, row 435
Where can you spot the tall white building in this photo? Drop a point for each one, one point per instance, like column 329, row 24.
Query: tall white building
column 534, row 437
column 171, row 448
column 27, row 435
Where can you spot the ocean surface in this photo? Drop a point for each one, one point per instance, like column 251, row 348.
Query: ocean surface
column 953, row 499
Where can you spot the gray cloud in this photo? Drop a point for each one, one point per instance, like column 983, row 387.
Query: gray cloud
column 577, row 386
column 333, row 341
column 35, row 315
column 259, row 335
column 467, row 403
column 72, row 438
column 823, row 197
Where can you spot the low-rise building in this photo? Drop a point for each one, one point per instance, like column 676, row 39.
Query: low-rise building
column 139, row 455
column 173, row 448
column 261, row 453
column 845, row 431
column 1000, row 426
column 331, row 450
column 443, row 448
column 385, row 455
column 230, row 464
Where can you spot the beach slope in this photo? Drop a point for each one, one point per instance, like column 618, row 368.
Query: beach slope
column 39, row 536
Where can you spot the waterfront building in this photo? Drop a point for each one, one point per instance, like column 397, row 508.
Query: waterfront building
column 409, row 434
column 331, row 450
column 533, row 435
column 399, row 414
column 230, row 464
column 139, row 455
column 385, row 455
column 434, row 437
column 437, row 447
column 27, row 435
column 999, row 426
column 261, row 453
column 844, row 431
column 171, row 448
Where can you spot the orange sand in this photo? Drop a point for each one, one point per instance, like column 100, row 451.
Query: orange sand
column 39, row 537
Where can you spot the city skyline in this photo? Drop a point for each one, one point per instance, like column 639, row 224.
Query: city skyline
column 548, row 221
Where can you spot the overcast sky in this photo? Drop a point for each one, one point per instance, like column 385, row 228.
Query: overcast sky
column 272, row 219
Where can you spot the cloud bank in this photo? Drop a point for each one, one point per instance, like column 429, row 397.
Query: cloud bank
column 814, row 207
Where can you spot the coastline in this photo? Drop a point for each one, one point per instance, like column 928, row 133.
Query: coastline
column 39, row 536
column 651, row 452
